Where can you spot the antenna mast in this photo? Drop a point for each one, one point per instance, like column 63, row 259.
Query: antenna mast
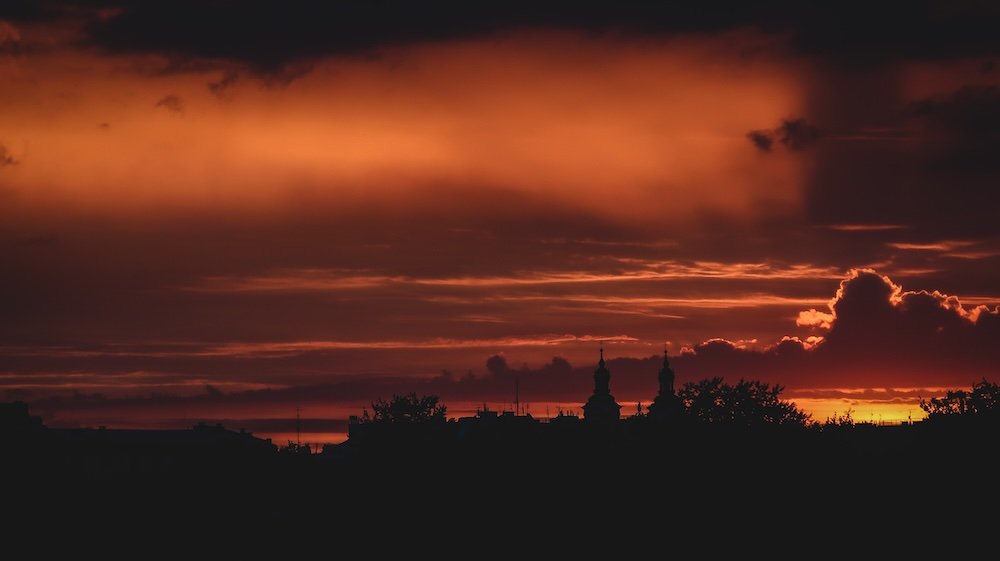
column 517, row 396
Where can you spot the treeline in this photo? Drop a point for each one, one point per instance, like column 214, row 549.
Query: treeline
column 747, row 403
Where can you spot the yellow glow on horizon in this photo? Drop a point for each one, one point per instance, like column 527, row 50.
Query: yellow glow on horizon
column 863, row 410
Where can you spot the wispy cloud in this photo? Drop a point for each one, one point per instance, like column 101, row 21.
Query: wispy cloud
column 244, row 349
column 744, row 301
column 972, row 255
column 118, row 382
column 944, row 245
column 884, row 394
column 736, row 301
column 629, row 270
column 863, row 227
column 287, row 348
column 956, row 249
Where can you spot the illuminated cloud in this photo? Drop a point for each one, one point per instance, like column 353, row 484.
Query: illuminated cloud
column 955, row 249
column 813, row 318
column 875, row 328
column 279, row 348
column 638, row 270
column 936, row 246
column 741, row 301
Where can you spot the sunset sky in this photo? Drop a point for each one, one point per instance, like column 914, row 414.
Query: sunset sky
column 215, row 210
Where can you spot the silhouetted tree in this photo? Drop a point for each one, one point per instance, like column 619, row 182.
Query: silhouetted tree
column 406, row 409
column 844, row 420
column 497, row 364
column 748, row 403
column 982, row 400
column 295, row 449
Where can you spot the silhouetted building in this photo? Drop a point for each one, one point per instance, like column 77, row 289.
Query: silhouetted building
column 14, row 417
column 506, row 424
column 602, row 407
column 564, row 419
column 667, row 404
column 202, row 438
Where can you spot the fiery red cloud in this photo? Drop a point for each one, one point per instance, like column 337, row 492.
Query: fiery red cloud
column 341, row 215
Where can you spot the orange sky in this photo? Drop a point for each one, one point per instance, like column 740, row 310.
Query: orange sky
column 555, row 116
column 172, row 224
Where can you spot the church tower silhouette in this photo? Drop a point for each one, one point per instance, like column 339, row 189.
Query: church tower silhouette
column 666, row 405
column 602, row 407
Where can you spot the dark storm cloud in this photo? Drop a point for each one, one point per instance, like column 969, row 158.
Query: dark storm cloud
column 930, row 164
column 966, row 126
column 874, row 316
column 172, row 103
column 972, row 110
column 26, row 10
column 761, row 139
column 222, row 86
column 794, row 134
column 874, row 330
column 267, row 35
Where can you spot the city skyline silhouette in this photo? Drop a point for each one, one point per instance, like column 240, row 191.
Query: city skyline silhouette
column 316, row 265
